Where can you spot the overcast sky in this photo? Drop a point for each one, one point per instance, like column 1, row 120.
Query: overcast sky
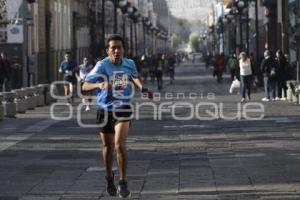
column 189, row 9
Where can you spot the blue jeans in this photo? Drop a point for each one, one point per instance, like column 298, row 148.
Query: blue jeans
column 270, row 87
column 246, row 82
column 6, row 83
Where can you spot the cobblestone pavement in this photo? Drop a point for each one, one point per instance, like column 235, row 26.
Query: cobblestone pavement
column 221, row 159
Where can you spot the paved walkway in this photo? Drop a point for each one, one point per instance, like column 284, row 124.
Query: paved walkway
column 46, row 159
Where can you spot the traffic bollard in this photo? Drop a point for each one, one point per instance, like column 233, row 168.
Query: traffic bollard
column 295, row 96
column 1, row 108
column 289, row 91
column 20, row 100
column 46, row 93
column 40, row 95
column 9, row 104
column 26, row 97
column 31, row 98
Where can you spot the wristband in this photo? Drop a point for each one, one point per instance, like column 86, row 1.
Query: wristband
column 144, row 90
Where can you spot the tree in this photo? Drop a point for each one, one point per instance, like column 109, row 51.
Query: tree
column 194, row 42
column 175, row 40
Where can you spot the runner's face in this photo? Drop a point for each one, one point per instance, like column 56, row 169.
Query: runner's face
column 115, row 51
column 67, row 56
column 85, row 61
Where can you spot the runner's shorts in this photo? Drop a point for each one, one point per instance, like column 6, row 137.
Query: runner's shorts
column 108, row 119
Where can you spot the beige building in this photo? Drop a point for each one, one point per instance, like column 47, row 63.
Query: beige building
column 47, row 28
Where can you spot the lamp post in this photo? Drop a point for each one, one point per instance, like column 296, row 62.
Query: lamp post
column 247, row 27
column 224, row 21
column 232, row 37
column 144, row 20
column 103, row 27
column 131, row 13
column 147, row 24
column 123, row 4
column 115, row 16
column 271, row 22
column 212, row 37
column 135, row 19
column 240, row 7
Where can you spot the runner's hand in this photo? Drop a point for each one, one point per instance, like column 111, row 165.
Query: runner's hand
column 150, row 95
column 105, row 86
column 147, row 92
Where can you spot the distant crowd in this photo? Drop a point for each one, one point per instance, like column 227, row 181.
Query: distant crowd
column 272, row 72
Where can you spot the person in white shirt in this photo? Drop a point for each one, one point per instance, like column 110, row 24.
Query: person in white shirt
column 83, row 70
column 246, row 73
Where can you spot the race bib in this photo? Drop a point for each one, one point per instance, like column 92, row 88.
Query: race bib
column 119, row 81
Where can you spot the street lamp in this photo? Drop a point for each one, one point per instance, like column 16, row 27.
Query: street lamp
column 271, row 19
column 240, row 8
column 241, row 4
column 232, row 37
column 146, row 25
column 123, row 3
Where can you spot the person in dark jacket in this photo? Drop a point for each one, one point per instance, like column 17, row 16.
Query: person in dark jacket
column 281, row 75
column 268, row 69
column 5, row 73
column 219, row 66
column 159, row 67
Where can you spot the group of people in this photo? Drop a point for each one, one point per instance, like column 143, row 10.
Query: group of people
column 273, row 70
column 5, row 73
column 275, row 76
column 73, row 74
column 154, row 67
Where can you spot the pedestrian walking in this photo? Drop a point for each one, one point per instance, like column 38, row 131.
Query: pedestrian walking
column 171, row 60
column 268, row 69
column 108, row 76
column 145, row 68
column 83, row 70
column 245, row 73
column 68, row 68
column 219, row 65
column 159, row 67
column 151, row 63
column 281, row 75
column 5, row 73
column 233, row 65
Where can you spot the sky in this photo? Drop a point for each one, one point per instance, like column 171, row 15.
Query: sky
column 189, row 9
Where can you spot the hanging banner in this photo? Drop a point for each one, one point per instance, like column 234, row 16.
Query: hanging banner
column 15, row 33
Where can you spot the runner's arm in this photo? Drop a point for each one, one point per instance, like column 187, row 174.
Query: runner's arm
column 138, row 83
column 144, row 90
column 87, row 86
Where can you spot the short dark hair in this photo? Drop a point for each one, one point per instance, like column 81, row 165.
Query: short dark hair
column 114, row 37
column 68, row 53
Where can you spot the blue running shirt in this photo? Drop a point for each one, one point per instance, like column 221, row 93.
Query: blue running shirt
column 120, row 76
